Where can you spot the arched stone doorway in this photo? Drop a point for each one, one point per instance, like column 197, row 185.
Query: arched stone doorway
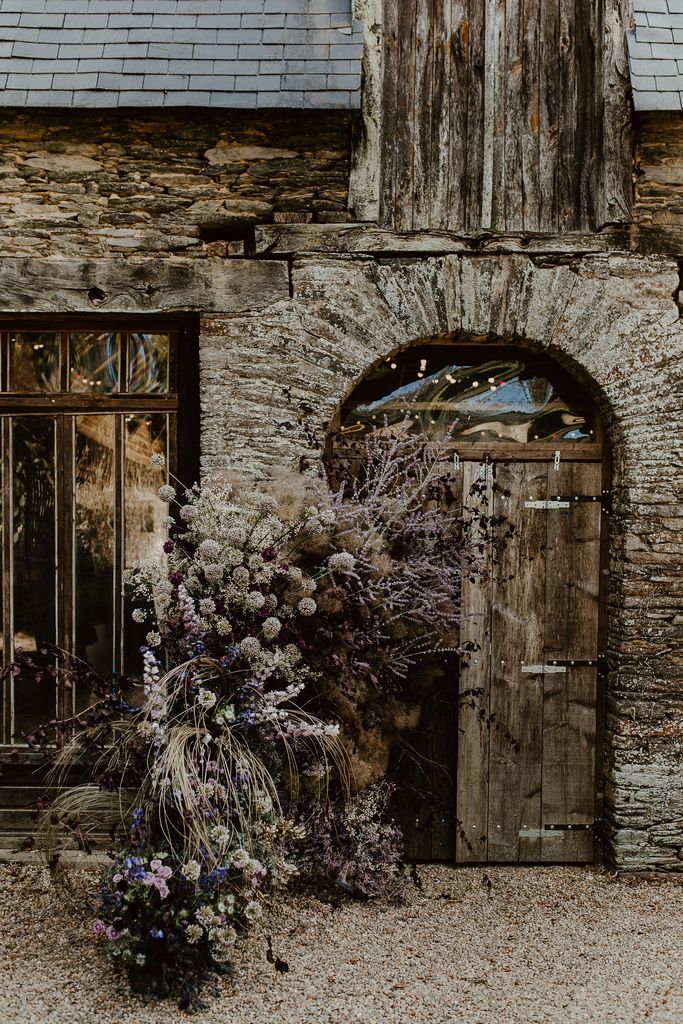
column 612, row 320
column 503, row 764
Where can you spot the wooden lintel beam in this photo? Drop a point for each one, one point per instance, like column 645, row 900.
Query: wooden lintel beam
column 29, row 285
column 290, row 239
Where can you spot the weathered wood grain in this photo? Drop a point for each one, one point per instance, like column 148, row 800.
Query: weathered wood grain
column 517, row 622
column 149, row 286
column 571, row 632
column 471, row 845
column 531, row 117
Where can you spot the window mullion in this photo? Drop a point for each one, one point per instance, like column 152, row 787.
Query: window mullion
column 65, row 520
column 119, row 527
column 7, row 577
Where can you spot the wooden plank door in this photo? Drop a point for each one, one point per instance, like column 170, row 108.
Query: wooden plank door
column 527, row 726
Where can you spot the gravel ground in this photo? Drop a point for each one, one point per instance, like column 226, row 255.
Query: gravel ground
column 545, row 945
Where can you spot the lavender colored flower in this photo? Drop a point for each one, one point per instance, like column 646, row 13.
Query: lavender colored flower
column 99, row 927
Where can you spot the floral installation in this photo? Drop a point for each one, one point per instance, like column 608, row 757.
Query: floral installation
column 279, row 630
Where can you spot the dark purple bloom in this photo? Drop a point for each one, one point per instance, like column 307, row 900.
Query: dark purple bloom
column 169, row 546
column 176, row 578
column 269, row 554
column 156, row 933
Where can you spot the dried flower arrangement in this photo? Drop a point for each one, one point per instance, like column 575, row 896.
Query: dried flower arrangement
column 269, row 624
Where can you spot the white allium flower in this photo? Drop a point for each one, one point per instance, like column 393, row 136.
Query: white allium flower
column 194, row 933
column 226, row 715
column 224, row 627
column 233, row 556
column 158, row 459
column 191, row 870
column 256, row 560
column 168, row 522
column 153, row 639
column 271, row 627
column 309, row 586
column 206, row 698
column 253, row 910
column 241, row 576
column 250, row 646
column 221, row 834
column 237, row 535
column 213, row 572
column 240, row 859
column 295, row 574
column 205, row 915
column 209, row 549
column 271, row 602
column 342, row 561
column 167, row 493
column 255, row 600
column 138, row 615
column 293, row 654
column 307, row 606
column 327, row 516
column 188, row 512
column 207, row 606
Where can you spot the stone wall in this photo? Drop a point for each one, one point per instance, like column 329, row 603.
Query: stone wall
column 659, row 169
column 77, row 183
column 272, row 381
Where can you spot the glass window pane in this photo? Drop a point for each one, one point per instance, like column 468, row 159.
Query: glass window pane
column 145, row 513
column 34, row 362
column 499, row 400
column 34, row 568
column 94, row 548
column 148, row 363
column 94, row 362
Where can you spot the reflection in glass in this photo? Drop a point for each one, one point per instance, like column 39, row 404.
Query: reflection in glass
column 34, row 362
column 94, row 544
column 148, row 363
column 145, row 513
column 498, row 400
column 94, row 362
column 34, row 578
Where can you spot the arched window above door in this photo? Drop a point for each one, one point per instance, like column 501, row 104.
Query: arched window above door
column 471, row 394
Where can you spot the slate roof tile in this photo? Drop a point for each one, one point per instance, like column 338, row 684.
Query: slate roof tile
column 212, row 53
column 655, row 50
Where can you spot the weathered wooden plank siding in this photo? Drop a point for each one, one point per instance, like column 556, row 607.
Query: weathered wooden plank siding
column 505, row 116
column 659, row 169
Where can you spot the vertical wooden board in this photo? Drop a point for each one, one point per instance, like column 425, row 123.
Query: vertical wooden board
column 389, row 140
column 404, row 125
column 474, row 698
column 567, row 176
column 458, row 142
column 474, row 141
column 497, row 37
column 616, row 188
column 588, row 112
column 530, row 115
column 570, row 699
column 441, row 105
column 517, row 624
column 424, row 145
column 514, row 76
column 549, row 113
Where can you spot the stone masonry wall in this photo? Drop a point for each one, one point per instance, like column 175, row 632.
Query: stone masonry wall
column 84, row 183
column 271, row 382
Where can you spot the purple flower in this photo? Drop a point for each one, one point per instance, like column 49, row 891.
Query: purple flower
column 99, row 927
column 269, row 554
column 176, row 578
column 148, row 878
column 156, row 933
column 118, row 877
column 164, row 871
column 169, row 546
column 112, row 934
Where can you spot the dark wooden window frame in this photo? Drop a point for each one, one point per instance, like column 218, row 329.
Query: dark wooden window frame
column 181, row 402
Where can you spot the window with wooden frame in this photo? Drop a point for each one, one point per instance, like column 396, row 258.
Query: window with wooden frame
column 83, row 407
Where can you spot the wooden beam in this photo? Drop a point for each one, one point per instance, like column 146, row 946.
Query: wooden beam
column 288, row 239
column 30, row 285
